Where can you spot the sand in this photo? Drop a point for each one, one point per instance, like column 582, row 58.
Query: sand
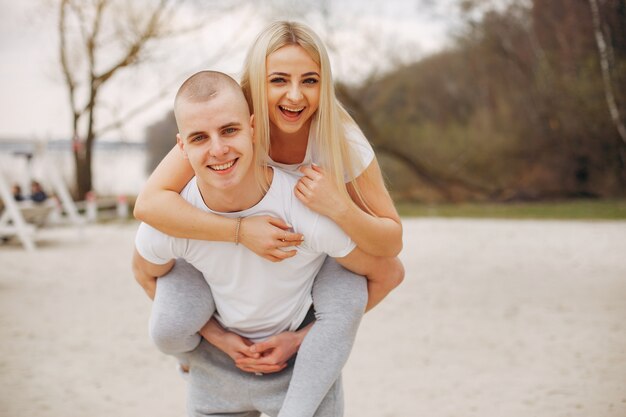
column 495, row 318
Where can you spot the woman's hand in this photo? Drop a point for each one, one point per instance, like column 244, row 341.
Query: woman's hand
column 265, row 236
column 319, row 193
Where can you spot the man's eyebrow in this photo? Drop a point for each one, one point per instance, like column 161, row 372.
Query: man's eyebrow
column 230, row 124
column 192, row 134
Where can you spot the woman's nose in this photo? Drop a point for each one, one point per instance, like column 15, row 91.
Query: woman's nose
column 294, row 92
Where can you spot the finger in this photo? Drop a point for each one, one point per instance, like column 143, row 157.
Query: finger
column 300, row 196
column 263, row 369
column 280, row 243
column 284, row 254
column 262, row 362
column 281, row 224
column 303, row 189
column 263, row 346
column 248, row 354
column 310, row 173
column 291, row 238
column 272, row 258
column 307, row 182
column 306, row 170
column 280, row 255
column 317, row 168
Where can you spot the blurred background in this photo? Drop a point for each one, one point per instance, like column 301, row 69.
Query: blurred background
column 464, row 101
column 478, row 108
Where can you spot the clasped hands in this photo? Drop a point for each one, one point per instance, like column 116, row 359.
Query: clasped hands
column 264, row 357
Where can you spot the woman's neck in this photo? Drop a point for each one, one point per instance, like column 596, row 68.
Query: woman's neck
column 289, row 148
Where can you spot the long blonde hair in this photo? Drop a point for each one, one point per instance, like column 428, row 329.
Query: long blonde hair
column 333, row 121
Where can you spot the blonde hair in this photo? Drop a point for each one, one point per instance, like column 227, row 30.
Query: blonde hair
column 333, row 121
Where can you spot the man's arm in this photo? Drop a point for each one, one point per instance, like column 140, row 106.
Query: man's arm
column 383, row 274
column 146, row 272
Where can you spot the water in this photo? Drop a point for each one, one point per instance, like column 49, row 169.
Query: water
column 118, row 167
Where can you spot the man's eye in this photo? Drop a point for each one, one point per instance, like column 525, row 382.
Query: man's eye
column 197, row 138
column 230, row 130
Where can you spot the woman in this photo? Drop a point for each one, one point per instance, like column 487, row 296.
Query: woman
column 299, row 126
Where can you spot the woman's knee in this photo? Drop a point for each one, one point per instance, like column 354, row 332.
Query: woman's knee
column 340, row 294
column 182, row 305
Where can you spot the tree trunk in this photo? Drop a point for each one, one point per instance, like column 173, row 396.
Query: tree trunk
column 603, row 51
column 606, row 70
column 82, row 163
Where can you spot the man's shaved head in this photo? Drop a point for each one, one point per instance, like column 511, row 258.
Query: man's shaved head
column 205, row 85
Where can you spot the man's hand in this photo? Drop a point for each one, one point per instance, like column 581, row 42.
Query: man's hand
column 230, row 343
column 275, row 352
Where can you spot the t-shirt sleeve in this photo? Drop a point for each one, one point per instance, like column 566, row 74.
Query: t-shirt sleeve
column 157, row 247
column 362, row 151
column 327, row 237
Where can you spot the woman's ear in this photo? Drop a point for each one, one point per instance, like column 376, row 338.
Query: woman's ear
column 252, row 126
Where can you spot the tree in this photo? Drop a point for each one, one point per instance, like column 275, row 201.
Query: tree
column 98, row 39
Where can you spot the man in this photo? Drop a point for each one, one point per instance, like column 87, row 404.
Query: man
column 255, row 299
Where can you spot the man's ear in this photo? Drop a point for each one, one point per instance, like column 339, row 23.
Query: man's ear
column 252, row 126
column 181, row 145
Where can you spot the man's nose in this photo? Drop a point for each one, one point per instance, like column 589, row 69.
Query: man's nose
column 218, row 147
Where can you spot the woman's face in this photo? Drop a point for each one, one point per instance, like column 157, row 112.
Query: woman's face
column 293, row 88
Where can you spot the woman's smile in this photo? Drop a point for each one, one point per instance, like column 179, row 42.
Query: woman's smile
column 293, row 88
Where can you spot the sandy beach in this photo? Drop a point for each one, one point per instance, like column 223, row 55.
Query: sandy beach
column 495, row 318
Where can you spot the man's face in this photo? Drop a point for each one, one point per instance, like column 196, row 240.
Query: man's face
column 216, row 137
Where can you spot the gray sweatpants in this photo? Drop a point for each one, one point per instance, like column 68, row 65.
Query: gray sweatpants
column 183, row 304
column 218, row 388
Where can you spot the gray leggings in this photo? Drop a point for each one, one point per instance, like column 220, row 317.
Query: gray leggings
column 183, row 304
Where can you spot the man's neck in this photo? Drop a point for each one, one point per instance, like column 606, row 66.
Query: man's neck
column 240, row 197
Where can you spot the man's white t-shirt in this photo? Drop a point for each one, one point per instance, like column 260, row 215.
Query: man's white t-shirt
column 361, row 148
column 254, row 297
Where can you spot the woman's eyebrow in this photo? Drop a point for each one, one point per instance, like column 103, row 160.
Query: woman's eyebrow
column 284, row 74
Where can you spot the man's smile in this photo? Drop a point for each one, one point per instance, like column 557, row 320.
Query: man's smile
column 224, row 166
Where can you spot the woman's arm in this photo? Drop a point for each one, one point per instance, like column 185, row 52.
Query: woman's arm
column 379, row 235
column 160, row 205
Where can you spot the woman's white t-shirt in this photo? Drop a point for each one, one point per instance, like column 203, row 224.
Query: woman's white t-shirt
column 361, row 149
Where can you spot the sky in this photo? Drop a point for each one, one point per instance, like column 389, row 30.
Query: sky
column 34, row 105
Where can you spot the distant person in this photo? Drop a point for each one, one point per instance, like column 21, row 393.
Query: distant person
column 37, row 194
column 17, row 193
column 257, row 303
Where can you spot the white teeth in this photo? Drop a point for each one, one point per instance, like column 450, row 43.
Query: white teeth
column 222, row 167
column 292, row 109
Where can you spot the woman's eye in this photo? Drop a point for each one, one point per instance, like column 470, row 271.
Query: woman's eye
column 277, row 80
column 311, row 81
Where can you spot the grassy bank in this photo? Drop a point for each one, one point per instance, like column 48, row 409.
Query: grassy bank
column 566, row 210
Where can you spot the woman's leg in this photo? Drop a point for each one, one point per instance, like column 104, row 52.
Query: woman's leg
column 339, row 299
column 182, row 305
